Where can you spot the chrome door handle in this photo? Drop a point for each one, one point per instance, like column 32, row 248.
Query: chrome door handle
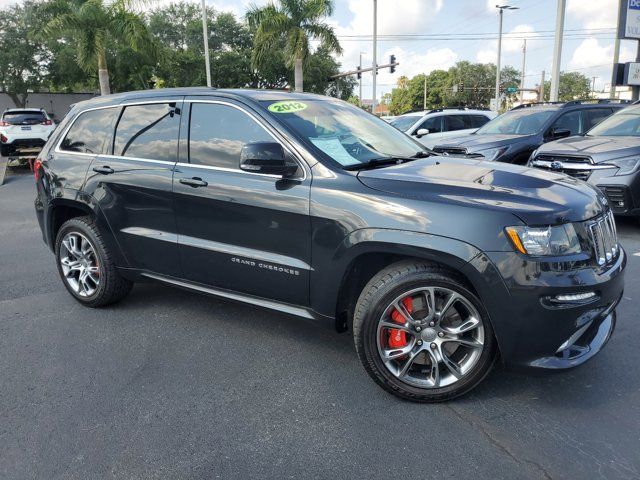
column 105, row 169
column 194, row 182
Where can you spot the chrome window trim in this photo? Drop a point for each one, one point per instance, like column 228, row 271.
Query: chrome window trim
column 300, row 163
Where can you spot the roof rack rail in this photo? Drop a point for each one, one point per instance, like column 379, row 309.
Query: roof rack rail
column 533, row 104
column 574, row 102
column 442, row 109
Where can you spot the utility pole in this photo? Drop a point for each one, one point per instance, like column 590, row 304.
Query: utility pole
column 424, row 102
column 501, row 9
column 375, row 54
column 616, row 56
column 205, row 35
column 593, row 87
column 635, row 91
column 541, row 90
column 360, row 86
column 524, row 62
column 557, row 51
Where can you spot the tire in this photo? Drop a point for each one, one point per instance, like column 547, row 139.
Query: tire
column 430, row 335
column 5, row 150
column 102, row 283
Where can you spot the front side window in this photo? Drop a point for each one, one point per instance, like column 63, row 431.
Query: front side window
column 218, row 132
column 569, row 121
column 433, row 124
column 523, row 121
column 404, row 122
column 342, row 132
column 595, row 116
column 149, row 132
column 89, row 132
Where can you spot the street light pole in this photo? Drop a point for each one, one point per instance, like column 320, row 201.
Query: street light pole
column 205, row 35
column 557, row 52
column 375, row 54
column 360, row 86
column 501, row 9
column 524, row 63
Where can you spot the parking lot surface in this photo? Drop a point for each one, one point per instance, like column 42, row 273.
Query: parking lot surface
column 171, row 384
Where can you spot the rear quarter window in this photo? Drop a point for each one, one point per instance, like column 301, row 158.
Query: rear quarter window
column 89, row 132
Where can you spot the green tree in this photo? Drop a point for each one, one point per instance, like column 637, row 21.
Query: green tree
column 92, row 25
column 295, row 22
column 23, row 59
column 573, row 86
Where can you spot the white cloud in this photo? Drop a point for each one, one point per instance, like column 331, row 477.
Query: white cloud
column 487, row 56
column 594, row 14
column 590, row 54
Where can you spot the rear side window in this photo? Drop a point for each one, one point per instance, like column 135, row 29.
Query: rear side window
column 595, row 116
column 25, row 117
column 218, row 132
column 456, row 122
column 89, row 132
column 149, row 132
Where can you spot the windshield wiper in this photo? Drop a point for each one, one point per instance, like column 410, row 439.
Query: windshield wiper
column 386, row 161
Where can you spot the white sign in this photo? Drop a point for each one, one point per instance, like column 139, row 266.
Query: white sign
column 630, row 19
column 493, row 104
column 633, row 74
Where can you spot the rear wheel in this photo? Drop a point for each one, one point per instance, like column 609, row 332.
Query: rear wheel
column 85, row 266
column 5, row 150
column 422, row 334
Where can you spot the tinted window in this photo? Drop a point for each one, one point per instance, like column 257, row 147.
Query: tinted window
column 476, row 121
column 25, row 117
column 148, row 131
column 433, row 124
column 89, row 131
column 218, row 132
column 455, row 122
column 404, row 122
column 625, row 123
column 570, row 121
column 523, row 121
column 596, row 115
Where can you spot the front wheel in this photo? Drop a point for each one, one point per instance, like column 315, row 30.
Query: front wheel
column 421, row 334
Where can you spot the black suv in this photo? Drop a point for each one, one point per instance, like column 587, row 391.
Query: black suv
column 312, row 207
column 607, row 156
column 515, row 134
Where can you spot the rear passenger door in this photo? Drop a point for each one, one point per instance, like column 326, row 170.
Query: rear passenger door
column 241, row 231
column 132, row 184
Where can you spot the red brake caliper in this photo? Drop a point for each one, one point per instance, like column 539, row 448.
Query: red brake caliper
column 398, row 338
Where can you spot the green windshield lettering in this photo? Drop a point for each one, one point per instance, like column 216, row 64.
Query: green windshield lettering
column 287, row 107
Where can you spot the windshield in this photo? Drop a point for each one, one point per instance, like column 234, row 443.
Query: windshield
column 25, row 117
column 405, row 122
column 517, row 122
column 623, row 124
column 346, row 134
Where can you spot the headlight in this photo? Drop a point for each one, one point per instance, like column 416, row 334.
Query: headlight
column 493, row 153
column 545, row 241
column 627, row 165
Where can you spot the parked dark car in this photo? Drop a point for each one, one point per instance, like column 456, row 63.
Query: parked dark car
column 515, row 134
column 607, row 156
column 312, row 207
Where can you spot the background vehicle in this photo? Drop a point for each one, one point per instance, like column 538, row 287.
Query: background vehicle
column 607, row 156
column 311, row 206
column 24, row 128
column 432, row 126
column 515, row 134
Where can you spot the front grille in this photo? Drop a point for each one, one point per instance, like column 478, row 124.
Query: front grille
column 577, row 167
column 451, row 150
column 604, row 239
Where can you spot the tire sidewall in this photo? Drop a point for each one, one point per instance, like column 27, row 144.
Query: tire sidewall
column 368, row 338
column 78, row 226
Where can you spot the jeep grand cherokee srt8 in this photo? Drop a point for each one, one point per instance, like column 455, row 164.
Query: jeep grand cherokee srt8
column 310, row 206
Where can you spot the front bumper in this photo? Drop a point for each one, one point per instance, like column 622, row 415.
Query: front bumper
column 622, row 192
column 531, row 331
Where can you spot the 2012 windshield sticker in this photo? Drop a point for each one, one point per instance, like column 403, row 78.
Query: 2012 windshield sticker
column 287, row 107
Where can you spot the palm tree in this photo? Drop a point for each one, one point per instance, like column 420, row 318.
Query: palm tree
column 293, row 22
column 92, row 25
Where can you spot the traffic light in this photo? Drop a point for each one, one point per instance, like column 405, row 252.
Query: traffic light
column 475, row 89
column 359, row 74
column 392, row 61
column 461, row 89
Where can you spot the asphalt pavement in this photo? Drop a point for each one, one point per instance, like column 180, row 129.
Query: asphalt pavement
column 170, row 384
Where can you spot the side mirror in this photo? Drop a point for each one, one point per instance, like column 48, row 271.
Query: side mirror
column 557, row 133
column 421, row 132
column 267, row 158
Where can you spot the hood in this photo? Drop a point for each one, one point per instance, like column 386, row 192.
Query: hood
column 600, row 149
column 536, row 196
column 474, row 142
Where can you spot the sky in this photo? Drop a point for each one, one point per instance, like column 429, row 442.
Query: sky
column 587, row 47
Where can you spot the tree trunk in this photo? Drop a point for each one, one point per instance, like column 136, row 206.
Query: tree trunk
column 103, row 74
column 298, row 75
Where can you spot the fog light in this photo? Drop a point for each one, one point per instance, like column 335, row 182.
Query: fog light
column 574, row 297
